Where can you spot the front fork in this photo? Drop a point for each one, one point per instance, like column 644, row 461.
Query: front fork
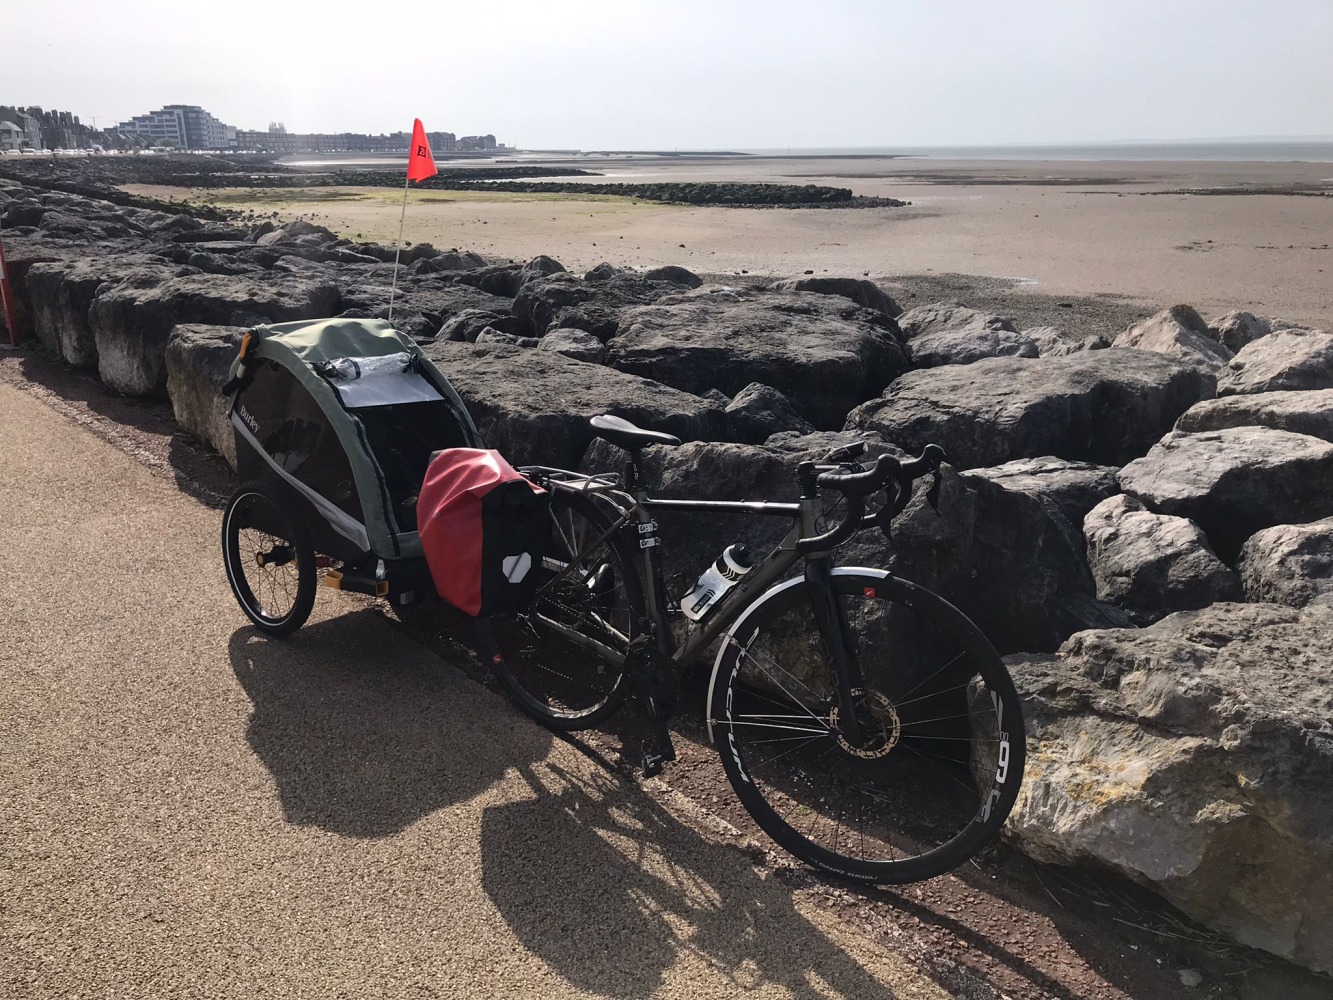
column 831, row 620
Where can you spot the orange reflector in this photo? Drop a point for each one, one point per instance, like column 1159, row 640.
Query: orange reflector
column 245, row 343
column 382, row 588
column 333, row 579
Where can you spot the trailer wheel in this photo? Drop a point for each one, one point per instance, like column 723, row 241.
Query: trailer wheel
column 269, row 559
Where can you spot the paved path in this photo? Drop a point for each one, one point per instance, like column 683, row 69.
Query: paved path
column 190, row 810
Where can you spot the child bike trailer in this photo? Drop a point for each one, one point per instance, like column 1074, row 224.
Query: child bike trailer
column 336, row 422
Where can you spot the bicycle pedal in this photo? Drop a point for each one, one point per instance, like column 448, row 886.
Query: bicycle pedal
column 652, row 765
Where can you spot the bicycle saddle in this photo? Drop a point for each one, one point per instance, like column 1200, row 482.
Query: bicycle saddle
column 623, row 434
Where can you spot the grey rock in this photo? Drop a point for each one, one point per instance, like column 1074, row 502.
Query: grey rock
column 1289, row 564
column 62, row 294
column 675, row 274
column 22, row 212
column 602, row 272
column 578, row 344
column 492, row 336
column 1053, row 342
column 949, row 333
column 1074, row 487
column 1285, row 359
column 1010, row 561
column 468, row 323
column 547, row 303
column 862, row 292
column 1150, row 565
column 534, row 405
column 292, row 231
column 1235, row 482
column 823, row 353
column 1307, row 411
column 449, row 260
column 422, row 304
column 198, row 362
column 1193, row 756
column 938, row 317
column 1105, row 407
column 760, row 411
column 1237, row 328
column 132, row 320
column 1178, row 332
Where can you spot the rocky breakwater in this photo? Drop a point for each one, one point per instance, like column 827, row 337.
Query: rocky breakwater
column 1178, row 476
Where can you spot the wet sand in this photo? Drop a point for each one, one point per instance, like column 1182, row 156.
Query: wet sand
column 1077, row 228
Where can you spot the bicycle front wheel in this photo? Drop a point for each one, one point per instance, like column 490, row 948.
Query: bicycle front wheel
column 940, row 755
column 562, row 658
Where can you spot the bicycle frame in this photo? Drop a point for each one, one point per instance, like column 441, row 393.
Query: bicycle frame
column 637, row 507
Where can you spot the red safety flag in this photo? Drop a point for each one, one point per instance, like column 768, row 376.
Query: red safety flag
column 420, row 164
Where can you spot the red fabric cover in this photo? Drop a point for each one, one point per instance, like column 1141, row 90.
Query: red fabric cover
column 449, row 519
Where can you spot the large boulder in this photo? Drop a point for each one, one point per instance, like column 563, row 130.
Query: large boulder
column 1052, row 342
column 1195, row 757
column 1289, row 564
column 534, row 405
column 675, row 274
column 1105, row 407
column 1009, row 560
column 760, row 411
column 543, row 304
column 578, row 344
column 948, row 333
column 1285, row 359
column 422, row 304
column 1074, row 487
column 1178, row 332
column 859, row 290
column 466, row 324
column 823, row 353
column 1238, row 328
column 62, row 293
column 1150, row 565
column 1235, row 482
column 198, row 363
column 133, row 319
column 1300, row 411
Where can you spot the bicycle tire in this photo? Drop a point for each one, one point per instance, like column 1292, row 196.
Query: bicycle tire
column 269, row 559
column 563, row 685
column 884, row 811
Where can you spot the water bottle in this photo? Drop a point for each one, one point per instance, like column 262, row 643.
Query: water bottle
column 717, row 579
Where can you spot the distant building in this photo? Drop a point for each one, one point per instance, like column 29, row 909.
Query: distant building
column 11, row 136
column 476, row 142
column 278, row 140
column 186, row 126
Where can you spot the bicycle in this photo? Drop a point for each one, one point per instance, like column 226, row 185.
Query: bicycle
column 865, row 723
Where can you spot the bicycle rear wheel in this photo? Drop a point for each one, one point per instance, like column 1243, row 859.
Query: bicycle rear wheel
column 938, row 766
column 561, row 658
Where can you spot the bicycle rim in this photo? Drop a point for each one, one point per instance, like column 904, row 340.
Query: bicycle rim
column 941, row 754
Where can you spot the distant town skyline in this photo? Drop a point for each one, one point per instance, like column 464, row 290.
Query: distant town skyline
column 691, row 75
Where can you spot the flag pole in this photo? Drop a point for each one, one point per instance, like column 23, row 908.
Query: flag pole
column 398, row 249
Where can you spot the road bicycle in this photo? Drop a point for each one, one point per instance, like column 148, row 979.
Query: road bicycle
column 866, row 724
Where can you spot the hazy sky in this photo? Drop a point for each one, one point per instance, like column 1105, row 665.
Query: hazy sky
column 692, row 73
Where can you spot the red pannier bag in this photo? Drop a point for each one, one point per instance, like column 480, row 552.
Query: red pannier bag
column 484, row 530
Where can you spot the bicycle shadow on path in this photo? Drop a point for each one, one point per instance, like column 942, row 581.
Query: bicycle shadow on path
column 678, row 895
column 364, row 739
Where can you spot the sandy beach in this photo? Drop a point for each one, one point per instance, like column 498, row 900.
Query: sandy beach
column 1071, row 228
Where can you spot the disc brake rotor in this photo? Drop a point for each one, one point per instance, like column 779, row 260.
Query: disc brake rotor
column 880, row 725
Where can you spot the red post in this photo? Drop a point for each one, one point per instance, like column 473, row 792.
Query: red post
column 7, row 295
